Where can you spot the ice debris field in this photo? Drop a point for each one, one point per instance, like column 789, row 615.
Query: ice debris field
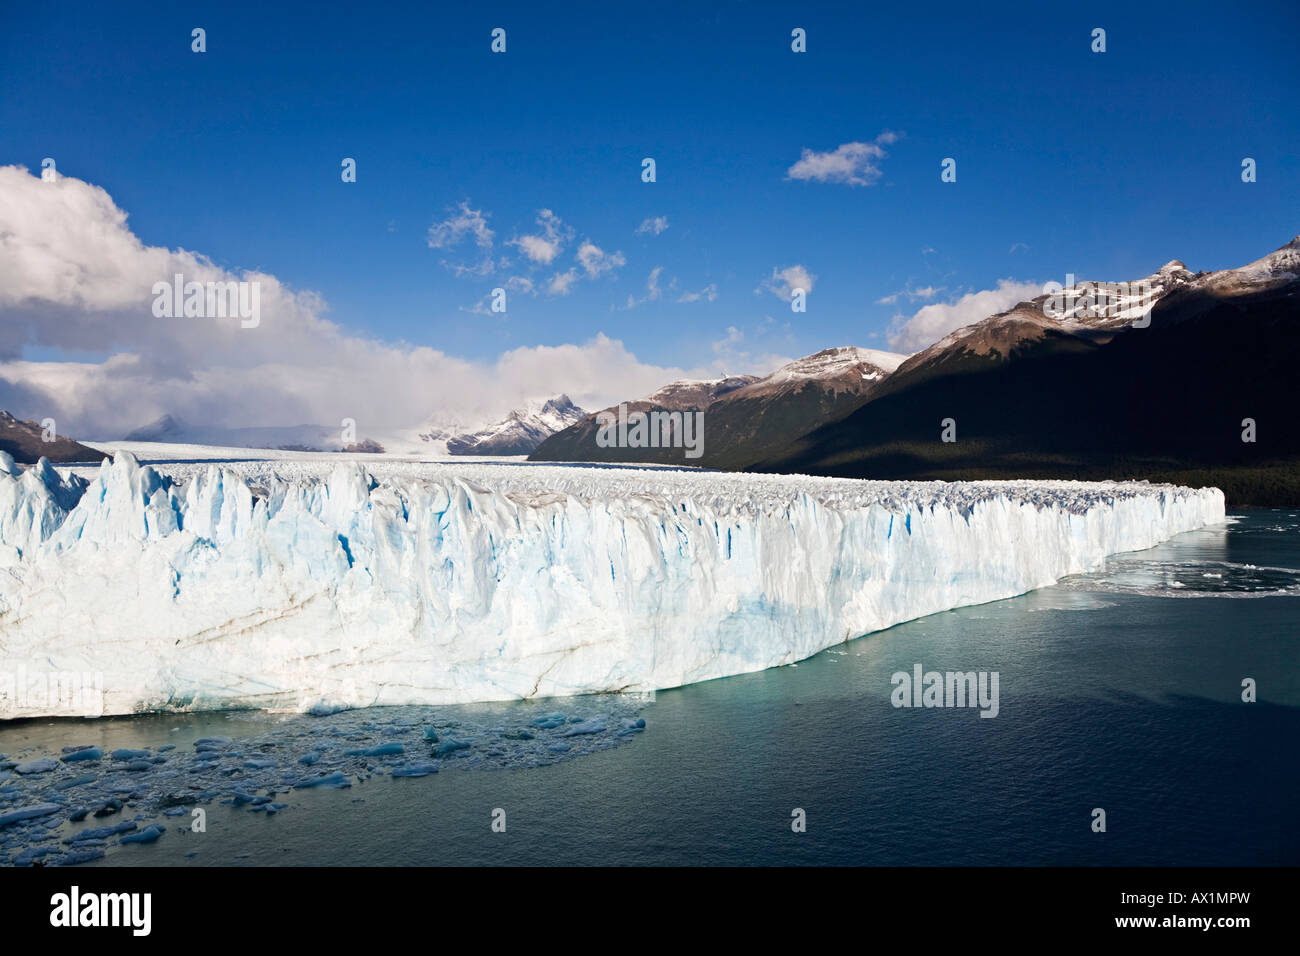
column 79, row 802
column 300, row 584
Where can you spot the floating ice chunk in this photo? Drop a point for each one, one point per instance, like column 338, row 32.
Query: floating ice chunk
column 148, row 835
column 336, row 781
column 630, row 726
column 39, row 765
column 417, row 769
column 596, row 726
column 31, row 854
column 101, row 833
column 83, row 753
column 109, row 807
column 449, row 746
column 28, row 813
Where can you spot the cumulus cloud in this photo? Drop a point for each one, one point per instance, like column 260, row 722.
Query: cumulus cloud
column 463, row 223
column 655, row 225
column 933, row 322
column 855, row 164
column 708, row 294
column 783, row 282
column 544, row 246
column 562, row 282
column 76, row 280
column 597, row 261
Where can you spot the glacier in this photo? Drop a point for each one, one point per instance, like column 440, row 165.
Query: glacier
column 316, row 585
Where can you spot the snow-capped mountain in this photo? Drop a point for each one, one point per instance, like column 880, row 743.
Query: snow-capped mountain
column 1081, row 383
column 1096, row 311
column 519, row 432
column 845, row 368
column 694, row 393
column 745, row 415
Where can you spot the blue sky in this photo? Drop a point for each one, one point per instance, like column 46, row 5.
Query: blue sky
column 1102, row 165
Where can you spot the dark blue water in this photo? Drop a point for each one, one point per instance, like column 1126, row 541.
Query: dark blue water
column 1119, row 690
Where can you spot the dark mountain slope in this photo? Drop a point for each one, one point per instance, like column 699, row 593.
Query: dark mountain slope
column 1164, row 403
column 23, row 441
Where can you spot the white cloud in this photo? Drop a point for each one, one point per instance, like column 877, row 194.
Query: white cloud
column 543, row 247
column 76, row 279
column 652, row 291
column 562, row 282
column 466, row 222
column 933, row 322
column 481, row 269
column 856, row 164
column 783, row 282
column 925, row 292
column 709, row 293
column 596, row 261
column 655, row 225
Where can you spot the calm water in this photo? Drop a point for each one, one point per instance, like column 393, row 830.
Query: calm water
column 1119, row 690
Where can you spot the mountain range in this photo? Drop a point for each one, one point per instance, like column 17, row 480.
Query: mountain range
column 518, row 433
column 1074, row 384
column 1179, row 376
column 747, row 417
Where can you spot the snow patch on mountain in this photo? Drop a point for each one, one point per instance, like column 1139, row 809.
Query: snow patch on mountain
column 520, row 432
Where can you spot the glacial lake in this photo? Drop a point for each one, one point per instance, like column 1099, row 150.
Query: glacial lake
column 1119, row 690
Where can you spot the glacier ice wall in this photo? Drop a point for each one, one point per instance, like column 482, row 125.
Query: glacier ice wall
column 281, row 588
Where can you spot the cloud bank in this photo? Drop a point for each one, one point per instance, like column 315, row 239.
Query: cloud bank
column 933, row 322
column 77, row 284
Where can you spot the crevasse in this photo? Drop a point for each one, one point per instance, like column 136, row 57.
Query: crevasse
column 284, row 588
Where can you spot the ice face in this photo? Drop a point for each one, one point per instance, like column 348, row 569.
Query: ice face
column 291, row 585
